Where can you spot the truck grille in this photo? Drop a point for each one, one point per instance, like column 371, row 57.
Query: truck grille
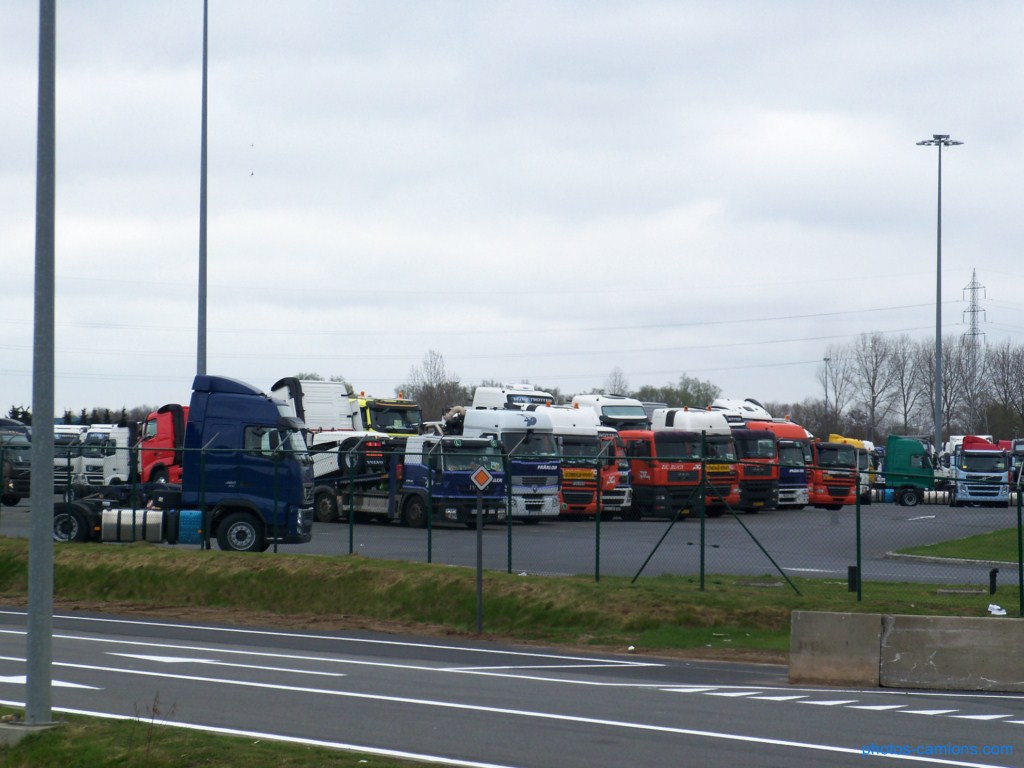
column 577, row 497
column 683, row 476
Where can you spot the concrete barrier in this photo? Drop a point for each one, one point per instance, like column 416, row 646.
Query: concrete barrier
column 834, row 648
column 952, row 653
column 939, row 652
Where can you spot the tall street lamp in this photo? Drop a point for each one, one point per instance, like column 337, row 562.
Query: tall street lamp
column 826, row 360
column 939, row 140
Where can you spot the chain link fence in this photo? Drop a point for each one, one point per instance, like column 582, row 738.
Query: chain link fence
column 381, row 504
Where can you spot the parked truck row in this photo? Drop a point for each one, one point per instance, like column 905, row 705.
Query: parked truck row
column 600, row 455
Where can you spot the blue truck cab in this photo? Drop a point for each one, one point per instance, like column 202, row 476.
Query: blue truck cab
column 245, row 466
column 438, row 472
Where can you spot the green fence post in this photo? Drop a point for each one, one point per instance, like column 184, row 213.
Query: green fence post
column 1020, row 557
column 351, row 502
column 597, row 519
column 430, row 503
column 274, row 523
column 506, row 466
column 701, row 489
column 859, row 574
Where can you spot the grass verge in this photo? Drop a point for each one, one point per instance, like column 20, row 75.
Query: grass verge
column 734, row 617
column 995, row 545
column 151, row 742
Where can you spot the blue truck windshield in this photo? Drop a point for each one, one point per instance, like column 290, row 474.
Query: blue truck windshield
column 466, row 458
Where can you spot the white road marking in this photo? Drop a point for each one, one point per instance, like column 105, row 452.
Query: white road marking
column 340, row 639
column 981, row 717
column 927, row 711
column 921, row 517
column 829, row 703
column 877, row 707
column 258, row 735
column 778, row 698
column 525, row 713
column 688, row 690
column 216, row 663
column 732, row 694
column 22, row 680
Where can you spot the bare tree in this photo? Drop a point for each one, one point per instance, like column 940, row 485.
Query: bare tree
column 905, row 372
column 616, row 383
column 872, row 380
column 433, row 387
column 836, row 378
column 1005, row 366
column 976, row 384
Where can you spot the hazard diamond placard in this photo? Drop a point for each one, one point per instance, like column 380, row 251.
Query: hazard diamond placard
column 481, row 478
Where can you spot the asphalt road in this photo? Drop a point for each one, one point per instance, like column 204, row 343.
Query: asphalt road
column 472, row 704
column 808, row 542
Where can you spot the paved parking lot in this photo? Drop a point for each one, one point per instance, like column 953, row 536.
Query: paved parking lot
column 808, row 542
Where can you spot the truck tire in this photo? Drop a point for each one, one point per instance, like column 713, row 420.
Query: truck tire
column 9, row 499
column 69, row 523
column 909, row 497
column 159, row 475
column 414, row 513
column 351, row 459
column 240, row 532
column 326, row 508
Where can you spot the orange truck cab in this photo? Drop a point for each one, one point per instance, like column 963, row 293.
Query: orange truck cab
column 833, row 475
column 758, row 468
column 793, row 444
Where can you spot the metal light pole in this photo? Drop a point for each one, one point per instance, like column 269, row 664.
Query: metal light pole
column 201, row 324
column 939, row 140
column 826, row 360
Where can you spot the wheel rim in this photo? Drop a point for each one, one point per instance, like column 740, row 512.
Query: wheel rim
column 242, row 536
column 65, row 527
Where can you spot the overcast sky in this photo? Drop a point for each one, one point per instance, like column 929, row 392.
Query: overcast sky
column 539, row 191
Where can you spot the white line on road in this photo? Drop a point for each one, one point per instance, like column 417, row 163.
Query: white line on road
column 829, row 703
column 335, row 638
column 478, row 708
column 216, row 663
column 929, row 712
column 21, row 680
column 281, row 738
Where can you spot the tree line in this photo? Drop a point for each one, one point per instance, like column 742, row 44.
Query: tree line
column 874, row 386
column 878, row 385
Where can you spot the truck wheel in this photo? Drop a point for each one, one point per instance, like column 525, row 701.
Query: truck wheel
column 239, row 532
column 9, row 499
column 953, row 502
column 909, row 497
column 414, row 513
column 69, row 523
column 159, row 476
column 326, row 508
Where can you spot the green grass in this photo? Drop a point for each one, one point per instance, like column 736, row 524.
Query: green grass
column 665, row 613
column 995, row 545
column 82, row 742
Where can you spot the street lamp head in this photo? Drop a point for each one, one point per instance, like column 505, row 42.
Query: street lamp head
column 939, row 140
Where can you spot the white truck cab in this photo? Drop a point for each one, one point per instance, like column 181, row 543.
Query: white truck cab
column 510, row 396
column 615, row 411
